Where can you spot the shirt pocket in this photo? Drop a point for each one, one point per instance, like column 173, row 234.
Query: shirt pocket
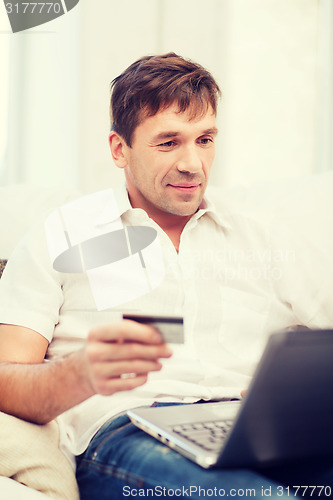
column 244, row 317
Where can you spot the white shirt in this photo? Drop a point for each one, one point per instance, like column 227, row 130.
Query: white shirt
column 230, row 282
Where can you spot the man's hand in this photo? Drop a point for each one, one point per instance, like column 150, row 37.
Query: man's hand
column 118, row 357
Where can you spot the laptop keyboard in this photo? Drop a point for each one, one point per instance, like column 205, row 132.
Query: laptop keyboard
column 208, row 435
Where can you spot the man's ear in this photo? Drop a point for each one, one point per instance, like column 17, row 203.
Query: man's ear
column 118, row 148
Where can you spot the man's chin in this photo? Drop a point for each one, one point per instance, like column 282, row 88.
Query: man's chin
column 184, row 209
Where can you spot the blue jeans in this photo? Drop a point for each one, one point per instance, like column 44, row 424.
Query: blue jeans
column 122, row 461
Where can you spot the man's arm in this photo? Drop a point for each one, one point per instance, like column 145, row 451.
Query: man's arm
column 38, row 391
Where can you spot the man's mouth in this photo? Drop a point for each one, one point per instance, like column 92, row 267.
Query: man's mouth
column 185, row 187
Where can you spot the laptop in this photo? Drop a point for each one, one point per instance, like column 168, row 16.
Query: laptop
column 286, row 415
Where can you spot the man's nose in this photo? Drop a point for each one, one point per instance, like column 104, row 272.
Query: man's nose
column 189, row 161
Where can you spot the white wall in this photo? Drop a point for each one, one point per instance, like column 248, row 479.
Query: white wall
column 265, row 54
column 324, row 150
column 42, row 98
column 269, row 79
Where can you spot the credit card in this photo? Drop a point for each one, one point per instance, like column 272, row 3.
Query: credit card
column 170, row 327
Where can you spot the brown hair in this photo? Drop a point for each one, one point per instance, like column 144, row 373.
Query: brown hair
column 154, row 83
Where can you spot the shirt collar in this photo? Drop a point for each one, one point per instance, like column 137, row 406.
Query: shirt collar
column 107, row 213
column 207, row 207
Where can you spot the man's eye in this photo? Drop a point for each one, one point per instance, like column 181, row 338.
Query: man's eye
column 168, row 144
column 205, row 140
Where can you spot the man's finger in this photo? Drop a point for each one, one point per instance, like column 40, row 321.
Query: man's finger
column 120, row 368
column 113, row 385
column 104, row 352
column 126, row 331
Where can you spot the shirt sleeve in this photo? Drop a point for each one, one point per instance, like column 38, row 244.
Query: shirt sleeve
column 30, row 290
column 306, row 270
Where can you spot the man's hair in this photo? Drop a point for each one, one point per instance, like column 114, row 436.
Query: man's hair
column 152, row 84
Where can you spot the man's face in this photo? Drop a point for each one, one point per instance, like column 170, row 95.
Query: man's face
column 169, row 162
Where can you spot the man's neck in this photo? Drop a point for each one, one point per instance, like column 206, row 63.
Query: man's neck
column 171, row 224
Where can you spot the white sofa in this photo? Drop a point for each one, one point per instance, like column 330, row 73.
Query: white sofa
column 306, row 205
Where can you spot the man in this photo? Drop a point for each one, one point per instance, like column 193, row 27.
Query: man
column 163, row 115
